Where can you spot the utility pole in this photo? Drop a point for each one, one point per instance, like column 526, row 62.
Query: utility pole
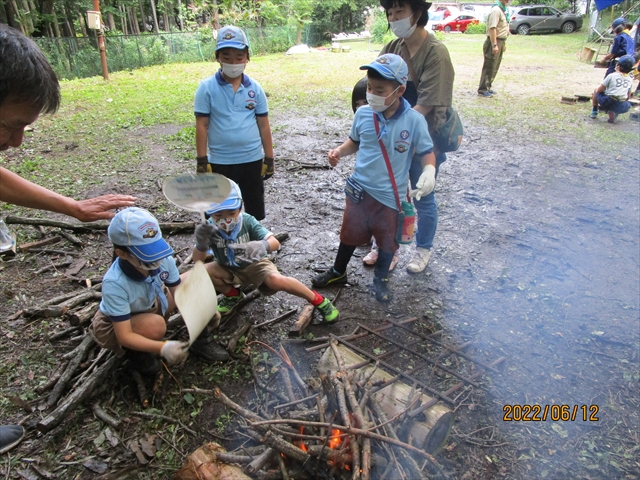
column 95, row 23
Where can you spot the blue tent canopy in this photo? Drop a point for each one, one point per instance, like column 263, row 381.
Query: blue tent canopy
column 602, row 4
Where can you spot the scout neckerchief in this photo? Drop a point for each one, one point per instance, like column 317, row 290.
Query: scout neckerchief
column 503, row 8
column 231, row 238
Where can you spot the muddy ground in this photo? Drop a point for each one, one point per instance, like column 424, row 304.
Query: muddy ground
column 536, row 260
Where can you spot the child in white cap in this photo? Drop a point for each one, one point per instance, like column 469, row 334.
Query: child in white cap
column 138, row 294
column 240, row 246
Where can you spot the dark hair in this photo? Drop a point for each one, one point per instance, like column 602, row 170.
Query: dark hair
column 25, row 73
column 245, row 49
column 371, row 73
column 359, row 93
column 619, row 29
column 415, row 6
column 118, row 247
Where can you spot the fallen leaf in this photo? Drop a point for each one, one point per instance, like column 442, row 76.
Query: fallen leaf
column 95, row 465
column 133, row 445
column 112, row 437
column 99, row 440
column 148, row 448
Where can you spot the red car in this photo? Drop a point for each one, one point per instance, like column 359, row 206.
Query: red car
column 457, row 24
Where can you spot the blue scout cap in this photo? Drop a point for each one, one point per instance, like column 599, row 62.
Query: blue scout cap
column 231, row 37
column 232, row 202
column 390, row 66
column 626, row 62
column 138, row 230
column 617, row 22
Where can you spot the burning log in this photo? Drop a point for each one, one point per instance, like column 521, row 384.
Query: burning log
column 394, row 399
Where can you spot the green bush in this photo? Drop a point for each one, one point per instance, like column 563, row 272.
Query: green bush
column 478, row 29
column 380, row 32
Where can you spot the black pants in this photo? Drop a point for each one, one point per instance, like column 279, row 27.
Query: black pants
column 248, row 176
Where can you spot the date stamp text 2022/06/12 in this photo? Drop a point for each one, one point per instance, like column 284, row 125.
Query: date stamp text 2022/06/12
column 555, row 413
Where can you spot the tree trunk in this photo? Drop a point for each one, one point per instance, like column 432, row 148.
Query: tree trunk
column 83, row 25
column 299, row 35
column 133, row 21
column 56, row 26
column 27, row 24
column 154, row 16
column 179, row 2
column 111, row 21
column 165, row 21
column 123, row 20
column 14, row 16
column 144, row 17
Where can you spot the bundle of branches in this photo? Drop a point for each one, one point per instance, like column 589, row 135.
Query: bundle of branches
column 332, row 427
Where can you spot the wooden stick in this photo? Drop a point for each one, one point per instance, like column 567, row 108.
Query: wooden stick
column 164, row 417
column 72, row 238
column 78, row 395
column 288, row 388
column 53, row 379
column 65, row 378
column 83, row 315
column 350, row 430
column 52, row 266
column 99, row 412
column 64, row 333
column 167, row 228
column 260, row 461
column 277, row 319
column 25, row 247
column 222, row 398
column 303, row 321
column 285, row 447
column 295, row 402
column 142, row 390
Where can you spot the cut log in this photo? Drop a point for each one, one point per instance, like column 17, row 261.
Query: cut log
column 80, row 394
column 62, row 308
column 396, row 398
column 303, row 321
column 83, row 315
column 203, row 465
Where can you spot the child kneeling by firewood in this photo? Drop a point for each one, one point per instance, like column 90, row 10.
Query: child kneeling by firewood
column 240, row 246
column 614, row 92
column 138, row 296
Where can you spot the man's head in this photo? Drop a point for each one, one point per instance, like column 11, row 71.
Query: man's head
column 418, row 9
column 225, row 215
column 626, row 63
column 28, row 86
column 136, row 235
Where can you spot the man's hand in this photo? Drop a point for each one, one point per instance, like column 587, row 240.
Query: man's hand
column 174, row 352
column 98, row 208
column 250, row 252
column 206, row 235
column 334, row 156
column 268, row 168
column 426, row 183
column 203, row 165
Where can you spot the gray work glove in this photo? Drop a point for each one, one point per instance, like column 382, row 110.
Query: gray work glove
column 174, row 352
column 250, row 252
column 206, row 235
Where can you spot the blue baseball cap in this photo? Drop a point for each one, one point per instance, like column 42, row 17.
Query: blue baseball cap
column 232, row 202
column 626, row 62
column 617, row 22
column 231, row 37
column 138, row 230
column 390, row 66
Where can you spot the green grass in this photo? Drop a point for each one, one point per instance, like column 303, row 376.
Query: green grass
column 101, row 117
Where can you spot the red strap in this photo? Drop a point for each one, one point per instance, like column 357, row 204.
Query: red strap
column 386, row 159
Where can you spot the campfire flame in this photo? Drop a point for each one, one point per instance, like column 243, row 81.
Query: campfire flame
column 335, row 440
column 301, row 444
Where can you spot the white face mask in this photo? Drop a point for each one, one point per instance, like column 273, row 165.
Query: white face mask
column 226, row 224
column 377, row 102
column 403, row 28
column 233, row 70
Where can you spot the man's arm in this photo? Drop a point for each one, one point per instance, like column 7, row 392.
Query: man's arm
column 18, row 191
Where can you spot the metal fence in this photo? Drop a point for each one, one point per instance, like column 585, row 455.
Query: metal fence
column 80, row 58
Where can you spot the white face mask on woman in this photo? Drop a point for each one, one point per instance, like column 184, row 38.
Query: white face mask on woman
column 403, row 28
column 233, row 70
column 377, row 102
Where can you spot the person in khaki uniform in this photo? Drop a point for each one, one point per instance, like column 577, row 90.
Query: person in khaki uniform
column 494, row 46
column 429, row 94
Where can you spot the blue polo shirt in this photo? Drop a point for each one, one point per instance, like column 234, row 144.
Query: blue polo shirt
column 250, row 230
column 125, row 291
column 403, row 134
column 233, row 135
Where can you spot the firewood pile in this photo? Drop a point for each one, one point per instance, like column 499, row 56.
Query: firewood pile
column 351, row 421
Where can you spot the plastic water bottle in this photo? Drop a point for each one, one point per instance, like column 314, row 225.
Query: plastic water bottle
column 6, row 240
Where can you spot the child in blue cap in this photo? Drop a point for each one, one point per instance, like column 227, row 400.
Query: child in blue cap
column 375, row 213
column 613, row 93
column 240, row 246
column 233, row 135
column 138, row 294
